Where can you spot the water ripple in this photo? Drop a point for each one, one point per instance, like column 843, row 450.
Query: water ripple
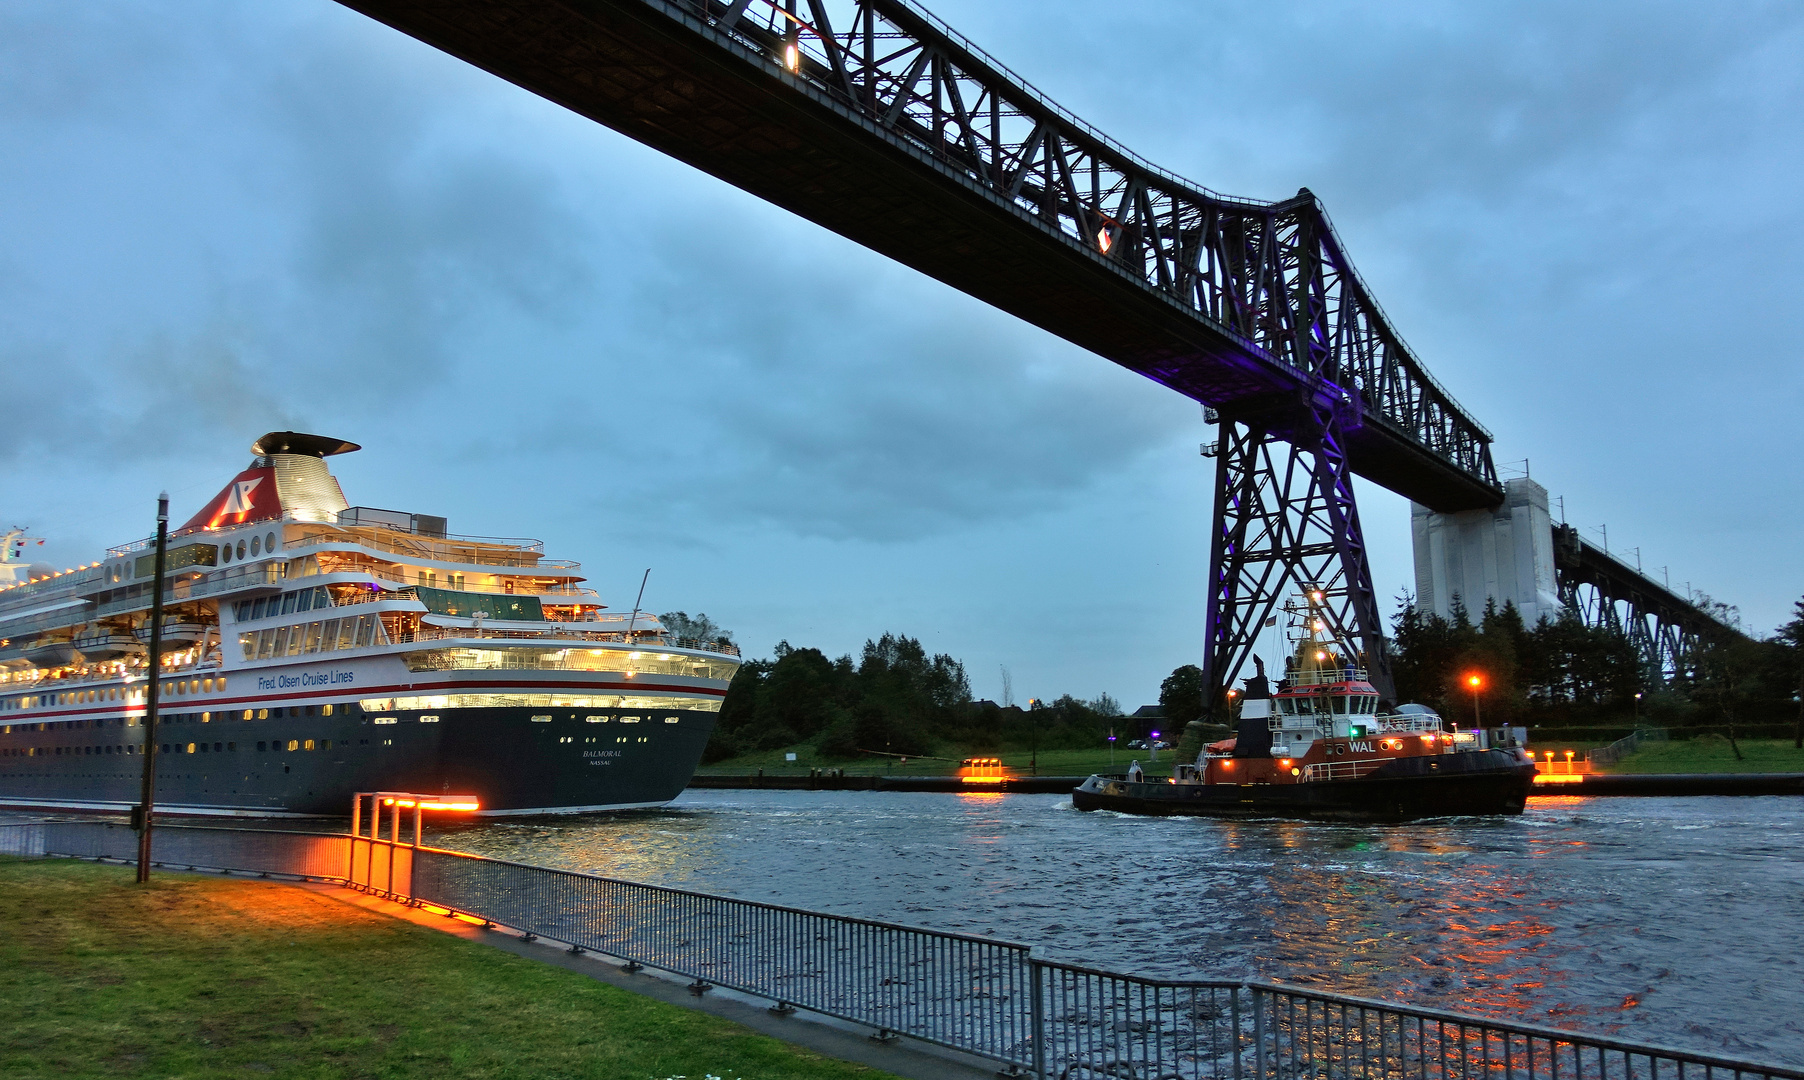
column 1675, row 921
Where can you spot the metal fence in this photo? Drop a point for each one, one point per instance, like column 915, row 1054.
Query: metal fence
column 1621, row 748
column 992, row 999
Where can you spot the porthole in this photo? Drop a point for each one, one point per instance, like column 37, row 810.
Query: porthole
column 225, row 553
column 256, row 545
column 241, row 549
column 269, row 541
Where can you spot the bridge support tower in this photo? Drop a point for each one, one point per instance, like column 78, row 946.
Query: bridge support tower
column 1286, row 523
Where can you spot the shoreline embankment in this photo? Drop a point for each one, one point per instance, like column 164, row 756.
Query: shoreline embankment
column 1586, row 784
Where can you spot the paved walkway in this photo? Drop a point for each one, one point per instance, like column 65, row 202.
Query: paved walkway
column 823, row 1035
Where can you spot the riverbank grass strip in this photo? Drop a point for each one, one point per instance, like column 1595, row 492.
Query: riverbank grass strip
column 199, row 977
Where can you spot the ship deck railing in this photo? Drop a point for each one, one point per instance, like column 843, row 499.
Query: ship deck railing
column 1407, row 722
column 555, row 634
column 999, row 1001
column 1322, row 677
column 1340, row 770
column 462, row 550
column 519, row 543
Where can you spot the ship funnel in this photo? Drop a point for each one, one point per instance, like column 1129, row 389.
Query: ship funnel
column 289, row 477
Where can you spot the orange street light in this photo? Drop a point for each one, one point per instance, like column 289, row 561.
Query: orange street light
column 1476, row 681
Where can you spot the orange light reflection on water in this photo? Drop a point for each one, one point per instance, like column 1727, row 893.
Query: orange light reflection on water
column 1450, row 931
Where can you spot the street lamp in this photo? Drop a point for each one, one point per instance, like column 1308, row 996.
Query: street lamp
column 1153, row 745
column 1637, row 708
column 1476, row 682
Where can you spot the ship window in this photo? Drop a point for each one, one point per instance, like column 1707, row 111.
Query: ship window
column 596, row 719
column 347, row 633
column 325, row 744
column 289, row 600
column 256, row 545
column 262, row 747
column 541, row 719
column 325, row 710
column 190, row 748
column 293, row 744
column 241, row 549
column 313, row 630
column 308, row 744
column 257, row 607
column 328, row 635
column 230, row 745
column 164, row 748
column 263, row 714
column 297, row 637
column 203, row 748
column 363, row 631
column 303, row 600
column 269, row 541
column 225, row 554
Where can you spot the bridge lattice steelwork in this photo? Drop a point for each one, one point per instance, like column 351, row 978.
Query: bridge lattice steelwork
column 878, row 121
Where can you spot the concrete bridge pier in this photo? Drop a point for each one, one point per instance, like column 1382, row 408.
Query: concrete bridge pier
column 1502, row 554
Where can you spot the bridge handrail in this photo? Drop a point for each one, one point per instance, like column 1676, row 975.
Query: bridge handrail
column 983, row 996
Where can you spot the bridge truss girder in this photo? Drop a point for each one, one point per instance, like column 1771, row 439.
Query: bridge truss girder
column 1286, row 522
column 878, row 121
column 1665, row 630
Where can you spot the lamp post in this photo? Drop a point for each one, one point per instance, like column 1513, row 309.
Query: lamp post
column 147, row 795
column 1111, row 749
column 1637, row 708
column 1476, row 682
column 1153, row 745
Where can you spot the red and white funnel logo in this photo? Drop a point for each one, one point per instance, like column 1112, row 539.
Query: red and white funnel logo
column 251, row 496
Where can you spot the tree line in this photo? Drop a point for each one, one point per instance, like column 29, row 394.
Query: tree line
column 1563, row 673
column 893, row 698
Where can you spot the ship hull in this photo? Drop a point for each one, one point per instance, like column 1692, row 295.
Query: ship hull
column 573, row 762
column 1485, row 783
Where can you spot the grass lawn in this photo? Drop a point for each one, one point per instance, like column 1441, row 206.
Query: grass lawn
column 201, row 977
column 1712, row 755
column 1052, row 763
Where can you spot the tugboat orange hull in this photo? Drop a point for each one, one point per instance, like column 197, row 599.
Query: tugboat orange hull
column 1484, row 783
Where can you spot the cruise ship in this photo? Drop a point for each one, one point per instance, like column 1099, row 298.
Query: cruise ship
column 312, row 649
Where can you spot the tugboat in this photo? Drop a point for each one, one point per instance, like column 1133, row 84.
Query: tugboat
column 1320, row 747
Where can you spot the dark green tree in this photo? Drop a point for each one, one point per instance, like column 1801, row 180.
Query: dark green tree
column 1791, row 638
column 1181, row 696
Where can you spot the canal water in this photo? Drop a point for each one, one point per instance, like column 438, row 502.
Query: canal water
column 1671, row 921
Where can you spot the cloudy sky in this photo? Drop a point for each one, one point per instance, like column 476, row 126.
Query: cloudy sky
column 220, row 219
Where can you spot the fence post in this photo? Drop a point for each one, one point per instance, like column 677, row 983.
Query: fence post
column 1258, row 1032
column 1036, row 1011
column 1234, row 1004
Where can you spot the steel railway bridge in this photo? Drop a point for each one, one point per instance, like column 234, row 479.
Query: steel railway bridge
column 876, row 120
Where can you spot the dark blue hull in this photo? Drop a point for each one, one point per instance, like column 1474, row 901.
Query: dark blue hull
column 299, row 764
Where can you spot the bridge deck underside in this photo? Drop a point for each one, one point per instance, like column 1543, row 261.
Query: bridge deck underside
column 667, row 83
